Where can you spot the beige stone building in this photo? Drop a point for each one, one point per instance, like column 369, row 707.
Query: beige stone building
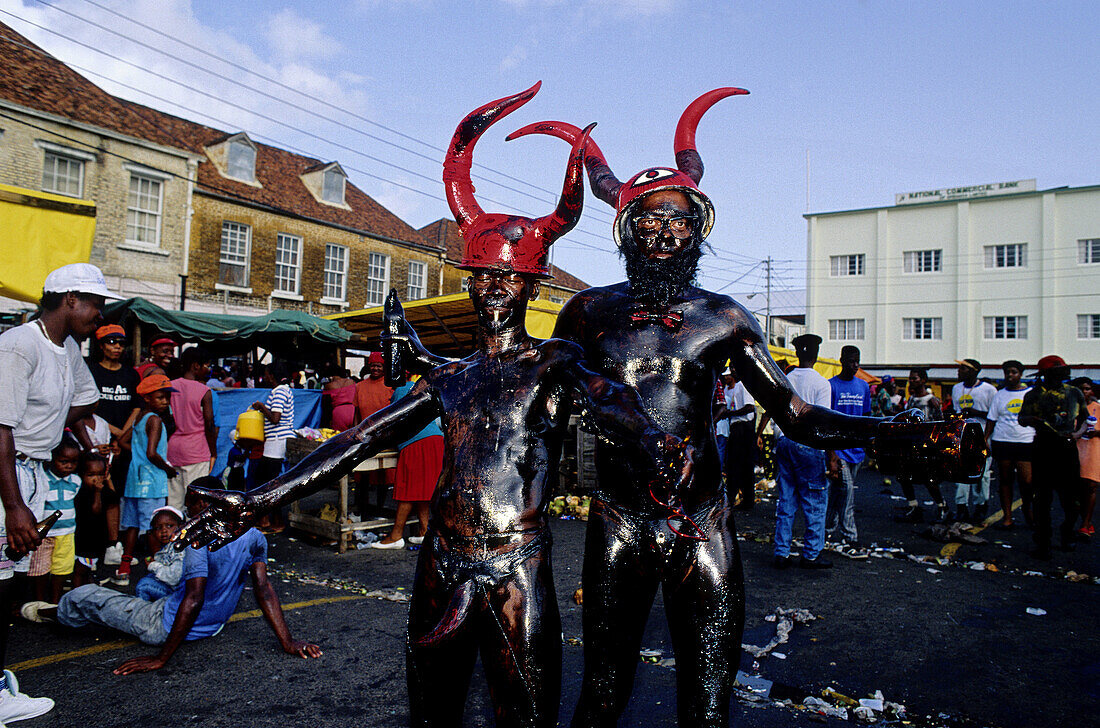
column 61, row 134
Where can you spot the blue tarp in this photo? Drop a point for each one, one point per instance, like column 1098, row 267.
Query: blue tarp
column 230, row 403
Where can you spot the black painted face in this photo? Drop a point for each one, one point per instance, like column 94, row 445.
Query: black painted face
column 674, row 210
column 500, row 298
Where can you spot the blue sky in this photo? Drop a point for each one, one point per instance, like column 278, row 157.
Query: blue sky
column 880, row 97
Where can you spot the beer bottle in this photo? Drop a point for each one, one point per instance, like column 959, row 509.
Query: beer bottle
column 43, row 528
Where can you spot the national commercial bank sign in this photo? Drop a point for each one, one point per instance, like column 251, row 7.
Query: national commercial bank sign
column 965, row 193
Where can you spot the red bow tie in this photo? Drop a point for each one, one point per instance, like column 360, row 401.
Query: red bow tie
column 671, row 320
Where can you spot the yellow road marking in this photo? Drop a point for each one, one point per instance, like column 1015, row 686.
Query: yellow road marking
column 948, row 551
column 119, row 644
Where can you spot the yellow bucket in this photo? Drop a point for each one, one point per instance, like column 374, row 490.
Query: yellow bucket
column 250, row 425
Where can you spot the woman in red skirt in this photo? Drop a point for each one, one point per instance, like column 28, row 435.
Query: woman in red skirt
column 419, row 462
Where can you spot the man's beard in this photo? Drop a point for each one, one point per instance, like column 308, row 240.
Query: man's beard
column 660, row 281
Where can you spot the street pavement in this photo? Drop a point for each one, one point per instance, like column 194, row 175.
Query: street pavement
column 956, row 647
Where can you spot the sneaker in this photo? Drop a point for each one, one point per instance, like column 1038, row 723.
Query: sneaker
column 1087, row 531
column 416, row 540
column 15, row 705
column 121, row 578
column 29, row 612
column 398, row 544
column 819, row 563
column 113, row 555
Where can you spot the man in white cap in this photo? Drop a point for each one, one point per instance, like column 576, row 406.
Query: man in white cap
column 44, row 386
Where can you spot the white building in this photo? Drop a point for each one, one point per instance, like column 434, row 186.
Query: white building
column 992, row 272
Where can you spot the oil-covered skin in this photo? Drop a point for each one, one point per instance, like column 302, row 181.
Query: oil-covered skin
column 483, row 581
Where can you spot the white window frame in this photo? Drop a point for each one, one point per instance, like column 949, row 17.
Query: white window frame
column 72, row 156
column 851, row 264
column 852, row 329
column 995, row 262
column 922, row 328
column 923, row 261
column 418, row 270
column 288, row 262
column 557, row 299
column 131, row 210
column 1004, row 328
column 334, row 288
column 1088, row 251
column 378, row 278
column 231, row 232
column 1088, row 326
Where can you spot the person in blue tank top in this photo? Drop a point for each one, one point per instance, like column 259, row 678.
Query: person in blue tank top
column 147, row 480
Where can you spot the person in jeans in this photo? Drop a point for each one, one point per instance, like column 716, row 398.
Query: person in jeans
column 852, row 396
column 802, row 468
column 199, row 607
column 44, row 386
column 192, row 448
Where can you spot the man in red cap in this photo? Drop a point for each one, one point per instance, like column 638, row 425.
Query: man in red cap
column 1057, row 412
column 371, row 395
column 483, row 581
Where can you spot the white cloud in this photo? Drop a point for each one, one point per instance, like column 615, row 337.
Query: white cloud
column 292, row 37
column 516, row 57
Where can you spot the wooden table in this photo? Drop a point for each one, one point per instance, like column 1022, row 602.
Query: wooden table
column 341, row 529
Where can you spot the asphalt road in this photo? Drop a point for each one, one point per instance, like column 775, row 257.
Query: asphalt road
column 955, row 647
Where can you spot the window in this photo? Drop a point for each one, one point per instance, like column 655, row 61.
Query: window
column 378, row 278
column 465, row 284
column 143, row 210
column 1088, row 251
column 235, row 254
column 332, row 187
column 846, row 329
column 846, row 265
column 557, row 299
column 922, row 261
column 1012, row 255
column 336, row 273
column 1088, row 326
column 241, row 163
column 288, row 266
column 1005, row 327
column 63, row 175
column 418, row 284
column 922, row 329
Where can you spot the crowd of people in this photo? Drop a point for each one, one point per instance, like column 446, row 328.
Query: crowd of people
column 1042, row 439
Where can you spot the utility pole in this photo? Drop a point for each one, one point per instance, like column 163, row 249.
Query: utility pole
column 768, row 310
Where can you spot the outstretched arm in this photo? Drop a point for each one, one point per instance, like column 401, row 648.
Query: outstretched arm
column 232, row 513
column 418, row 359
column 268, row 602
column 194, row 596
column 818, row 427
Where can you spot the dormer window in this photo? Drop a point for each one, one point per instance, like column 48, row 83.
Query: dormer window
column 241, row 163
column 332, row 190
column 234, row 157
column 327, row 182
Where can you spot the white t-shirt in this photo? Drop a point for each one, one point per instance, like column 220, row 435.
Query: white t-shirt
column 100, row 434
column 811, row 387
column 741, row 397
column 980, row 396
column 1004, row 413
column 39, row 382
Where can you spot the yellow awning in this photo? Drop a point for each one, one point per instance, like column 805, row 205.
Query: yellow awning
column 40, row 231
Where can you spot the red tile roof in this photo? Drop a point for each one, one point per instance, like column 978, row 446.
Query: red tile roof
column 445, row 233
column 31, row 77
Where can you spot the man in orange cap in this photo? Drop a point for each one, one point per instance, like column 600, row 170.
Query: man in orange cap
column 1057, row 411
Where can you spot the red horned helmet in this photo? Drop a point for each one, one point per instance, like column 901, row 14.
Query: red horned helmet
column 497, row 240
column 624, row 196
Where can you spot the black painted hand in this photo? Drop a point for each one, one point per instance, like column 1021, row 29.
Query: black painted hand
column 229, row 514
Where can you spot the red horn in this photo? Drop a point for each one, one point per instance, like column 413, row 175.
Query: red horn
column 605, row 185
column 456, row 167
column 688, row 160
column 565, row 217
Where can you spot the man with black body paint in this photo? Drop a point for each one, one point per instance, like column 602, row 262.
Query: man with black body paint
column 483, row 580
